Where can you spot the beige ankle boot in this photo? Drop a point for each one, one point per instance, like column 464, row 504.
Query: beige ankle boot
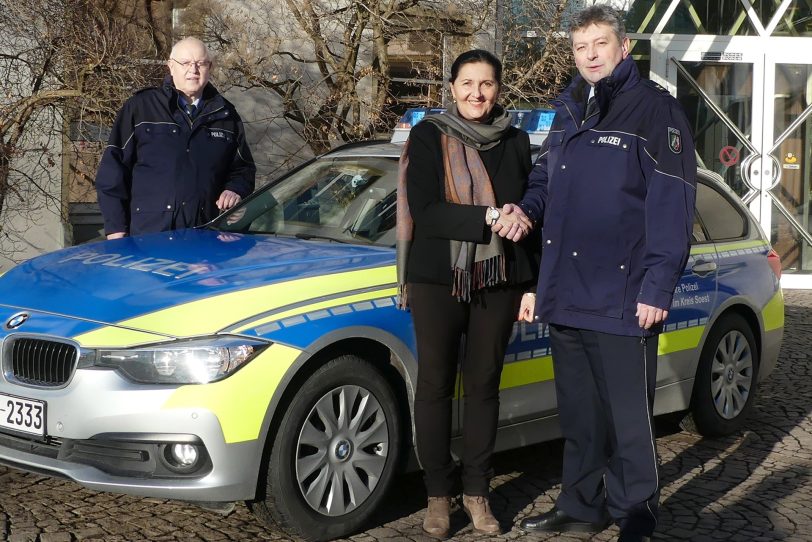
column 479, row 510
column 437, row 523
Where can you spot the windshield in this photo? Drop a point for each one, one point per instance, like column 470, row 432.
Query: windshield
column 349, row 199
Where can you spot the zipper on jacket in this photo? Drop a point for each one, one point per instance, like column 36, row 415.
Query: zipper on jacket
column 562, row 102
column 191, row 122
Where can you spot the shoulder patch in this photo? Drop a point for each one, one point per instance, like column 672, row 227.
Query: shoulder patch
column 674, row 140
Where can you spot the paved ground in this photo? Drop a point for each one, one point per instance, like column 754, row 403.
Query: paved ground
column 755, row 486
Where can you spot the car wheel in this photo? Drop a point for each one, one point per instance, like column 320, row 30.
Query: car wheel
column 335, row 452
column 726, row 377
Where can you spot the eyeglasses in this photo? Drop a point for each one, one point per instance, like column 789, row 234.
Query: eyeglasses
column 188, row 64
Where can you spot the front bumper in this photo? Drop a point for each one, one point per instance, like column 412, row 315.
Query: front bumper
column 107, row 434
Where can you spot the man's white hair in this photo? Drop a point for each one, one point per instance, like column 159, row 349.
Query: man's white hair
column 189, row 41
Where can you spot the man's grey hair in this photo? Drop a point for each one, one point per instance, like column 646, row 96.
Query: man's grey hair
column 599, row 14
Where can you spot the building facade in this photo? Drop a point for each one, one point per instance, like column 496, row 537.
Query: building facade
column 743, row 72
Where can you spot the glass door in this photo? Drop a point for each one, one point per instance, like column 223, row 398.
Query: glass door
column 788, row 144
column 715, row 78
column 749, row 100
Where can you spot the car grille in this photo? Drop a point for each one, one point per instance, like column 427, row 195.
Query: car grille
column 38, row 362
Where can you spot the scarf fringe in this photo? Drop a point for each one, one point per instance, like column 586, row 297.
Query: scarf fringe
column 402, row 301
column 484, row 274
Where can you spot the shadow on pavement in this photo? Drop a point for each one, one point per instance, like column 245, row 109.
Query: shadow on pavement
column 738, row 488
column 754, row 485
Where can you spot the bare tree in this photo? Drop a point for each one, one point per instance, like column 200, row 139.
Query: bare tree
column 323, row 67
column 537, row 53
column 64, row 64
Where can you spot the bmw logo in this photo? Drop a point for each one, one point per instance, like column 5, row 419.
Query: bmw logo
column 17, row 320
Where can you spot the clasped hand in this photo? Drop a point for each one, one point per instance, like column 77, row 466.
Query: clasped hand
column 513, row 224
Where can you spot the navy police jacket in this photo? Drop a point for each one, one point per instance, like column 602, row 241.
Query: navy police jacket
column 615, row 196
column 162, row 171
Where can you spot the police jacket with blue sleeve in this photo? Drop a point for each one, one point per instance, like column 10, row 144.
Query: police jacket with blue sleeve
column 615, row 195
column 163, row 170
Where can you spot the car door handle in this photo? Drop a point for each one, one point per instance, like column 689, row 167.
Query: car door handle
column 702, row 268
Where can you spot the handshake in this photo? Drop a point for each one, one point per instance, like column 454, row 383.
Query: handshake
column 512, row 223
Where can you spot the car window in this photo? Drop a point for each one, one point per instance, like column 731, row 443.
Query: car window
column 698, row 234
column 345, row 198
column 720, row 217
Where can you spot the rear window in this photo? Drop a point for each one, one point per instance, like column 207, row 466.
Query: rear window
column 722, row 218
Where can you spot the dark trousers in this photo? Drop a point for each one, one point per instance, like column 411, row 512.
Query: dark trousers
column 605, row 389
column 481, row 329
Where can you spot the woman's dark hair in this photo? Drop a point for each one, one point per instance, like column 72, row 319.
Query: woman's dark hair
column 477, row 55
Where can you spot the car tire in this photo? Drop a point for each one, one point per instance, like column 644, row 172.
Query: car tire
column 726, row 379
column 335, row 454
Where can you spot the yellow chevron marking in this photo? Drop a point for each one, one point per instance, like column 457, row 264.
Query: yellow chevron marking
column 773, row 312
column 388, row 292
column 681, row 339
column 531, row 371
column 214, row 313
column 527, row 371
column 738, row 245
column 709, row 248
column 696, row 250
column 241, row 400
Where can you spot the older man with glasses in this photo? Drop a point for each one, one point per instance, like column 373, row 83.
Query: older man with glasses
column 177, row 154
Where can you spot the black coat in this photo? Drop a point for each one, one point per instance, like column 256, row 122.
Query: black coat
column 437, row 221
column 162, row 171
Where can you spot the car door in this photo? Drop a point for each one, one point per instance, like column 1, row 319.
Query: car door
column 694, row 302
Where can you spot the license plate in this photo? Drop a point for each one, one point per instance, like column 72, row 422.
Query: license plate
column 19, row 414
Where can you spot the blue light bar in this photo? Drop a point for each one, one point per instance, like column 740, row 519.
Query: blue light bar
column 414, row 115
column 536, row 122
column 411, row 117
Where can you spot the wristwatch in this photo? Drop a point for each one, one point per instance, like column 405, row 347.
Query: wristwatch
column 493, row 215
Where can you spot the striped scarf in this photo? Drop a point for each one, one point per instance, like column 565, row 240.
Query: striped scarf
column 473, row 265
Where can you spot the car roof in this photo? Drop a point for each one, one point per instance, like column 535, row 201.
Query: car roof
column 376, row 147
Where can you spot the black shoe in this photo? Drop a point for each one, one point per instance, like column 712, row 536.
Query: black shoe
column 559, row 521
column 626, row 536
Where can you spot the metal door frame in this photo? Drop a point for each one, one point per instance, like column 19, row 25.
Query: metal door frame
column 760, row 170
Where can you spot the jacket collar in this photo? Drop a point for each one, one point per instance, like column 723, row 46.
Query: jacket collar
column 623, row 77
column 211, row 98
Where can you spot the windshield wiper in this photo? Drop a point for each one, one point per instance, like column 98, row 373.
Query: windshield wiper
column 309, row 236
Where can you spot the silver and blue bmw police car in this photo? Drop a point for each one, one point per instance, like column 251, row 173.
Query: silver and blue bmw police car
column 262, row 358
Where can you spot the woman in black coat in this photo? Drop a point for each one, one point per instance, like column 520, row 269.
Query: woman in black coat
column 461, row 280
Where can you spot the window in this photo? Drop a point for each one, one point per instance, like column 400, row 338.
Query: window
column 720, row 216
column 342, row 198
column 698, row 234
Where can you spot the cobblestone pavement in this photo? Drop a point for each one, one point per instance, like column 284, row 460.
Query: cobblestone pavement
column 754, row 486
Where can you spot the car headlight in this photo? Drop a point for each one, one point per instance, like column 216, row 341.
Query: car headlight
column 185, row 362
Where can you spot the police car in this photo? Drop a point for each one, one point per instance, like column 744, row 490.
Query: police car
column 262, row 358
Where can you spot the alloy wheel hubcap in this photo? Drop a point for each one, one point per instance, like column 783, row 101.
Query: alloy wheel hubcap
column 342, row 450
column 731, row 375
